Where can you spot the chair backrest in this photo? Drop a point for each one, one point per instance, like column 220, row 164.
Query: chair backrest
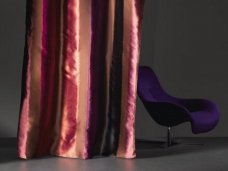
column 149, row 88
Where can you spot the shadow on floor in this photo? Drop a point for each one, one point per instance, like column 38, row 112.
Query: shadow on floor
column 144, row 149
column 156, row 148
column 8, row 150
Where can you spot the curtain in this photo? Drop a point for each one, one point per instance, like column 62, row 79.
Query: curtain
column 79, row 78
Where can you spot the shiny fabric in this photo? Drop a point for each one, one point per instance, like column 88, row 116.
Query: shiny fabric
column 79, row 78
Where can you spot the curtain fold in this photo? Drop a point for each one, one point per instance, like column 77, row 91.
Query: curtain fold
column 79, row 78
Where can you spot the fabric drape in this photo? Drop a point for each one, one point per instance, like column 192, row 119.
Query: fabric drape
column 79, row 78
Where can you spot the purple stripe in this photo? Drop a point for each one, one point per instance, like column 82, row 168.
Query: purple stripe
column 98, row 75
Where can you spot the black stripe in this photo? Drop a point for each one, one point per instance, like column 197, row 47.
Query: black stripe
column 114, row 113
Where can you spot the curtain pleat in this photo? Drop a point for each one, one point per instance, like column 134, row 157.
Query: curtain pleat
column 79, row 78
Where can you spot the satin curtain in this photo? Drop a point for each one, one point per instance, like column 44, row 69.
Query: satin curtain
column 79, row 78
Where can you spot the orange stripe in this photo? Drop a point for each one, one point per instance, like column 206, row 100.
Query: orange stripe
column 70, row 70
column 126, row 40
column 131, row 51
column 84, row 78
column 77, row 84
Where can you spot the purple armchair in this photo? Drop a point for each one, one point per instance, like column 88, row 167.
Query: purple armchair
column 170, row 111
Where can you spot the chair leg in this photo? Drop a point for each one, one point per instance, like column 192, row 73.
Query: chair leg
column 169, row 136
column 171, row 141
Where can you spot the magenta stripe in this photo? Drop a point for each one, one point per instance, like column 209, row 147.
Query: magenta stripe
column 49, row 65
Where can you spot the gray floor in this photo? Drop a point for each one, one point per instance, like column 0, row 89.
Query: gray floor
column 211, row 156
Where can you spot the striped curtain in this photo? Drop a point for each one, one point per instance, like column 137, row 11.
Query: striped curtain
column 79, row 78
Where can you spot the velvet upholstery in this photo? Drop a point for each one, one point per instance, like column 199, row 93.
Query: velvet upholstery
column 167, row 110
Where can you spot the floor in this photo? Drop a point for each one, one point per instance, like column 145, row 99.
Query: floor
column 211, row 154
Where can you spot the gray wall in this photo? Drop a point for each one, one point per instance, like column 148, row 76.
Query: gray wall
column 12, row 28
column 186, row 42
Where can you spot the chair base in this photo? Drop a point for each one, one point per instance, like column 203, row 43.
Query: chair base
column 171, row 142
